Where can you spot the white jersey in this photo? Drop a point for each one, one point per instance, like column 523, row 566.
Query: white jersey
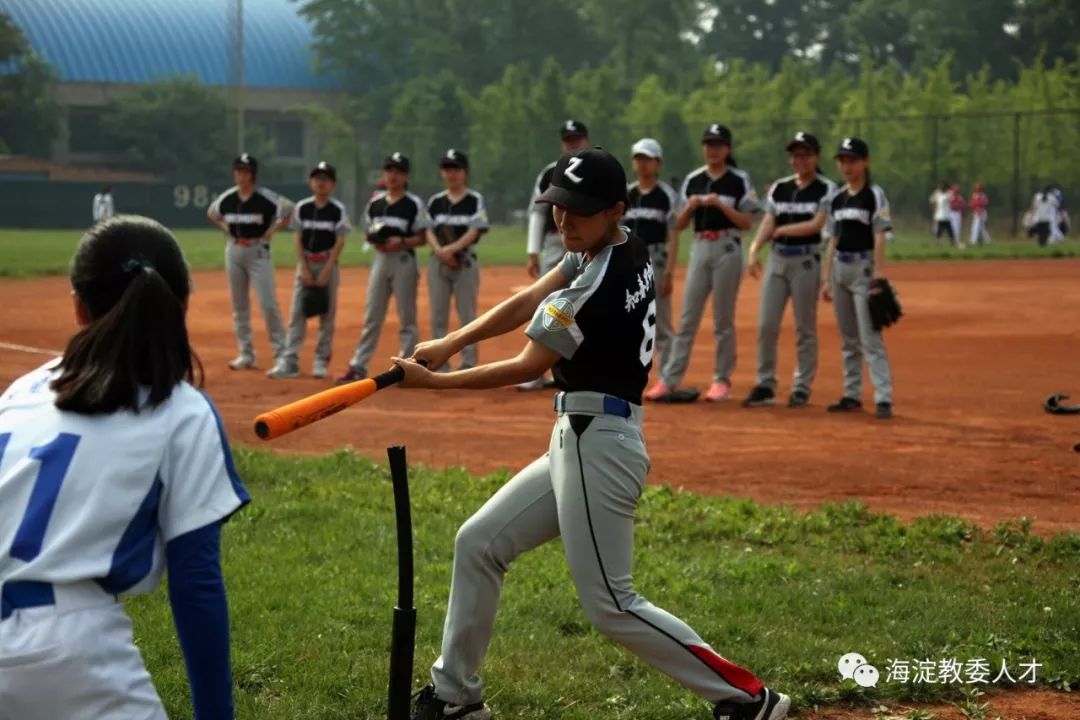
column 103, row 206
column 941, row 206
column 1045, row 208
column 97, row 497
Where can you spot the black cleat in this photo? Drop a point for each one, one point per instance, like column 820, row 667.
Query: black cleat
column 799, row 398
column 884, row 411
column 427, row 706
column 760, row 396
column 771, row 706
column 845, row 404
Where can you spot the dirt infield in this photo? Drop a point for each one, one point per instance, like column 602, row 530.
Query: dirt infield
column 981, row 346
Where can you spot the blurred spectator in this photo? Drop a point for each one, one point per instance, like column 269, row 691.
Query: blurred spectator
column 103, row 204
column 978, row 204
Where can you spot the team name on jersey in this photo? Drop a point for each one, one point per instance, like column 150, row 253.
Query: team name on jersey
column 448, row 219
column 857, row 214
column 389, row 220
column 644, row 282
column 328, row 225
column 796, row 208
column 244, row 218
column 645, row 213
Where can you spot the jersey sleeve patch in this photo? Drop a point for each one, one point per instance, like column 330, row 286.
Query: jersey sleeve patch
column 558, row 315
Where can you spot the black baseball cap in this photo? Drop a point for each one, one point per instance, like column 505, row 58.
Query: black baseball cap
column 853, row 147
column 396, row 160
column 246, row 161
column 804, row 138
column 586, row 182
column 573, row 128
column 325, row 169
column 454, row 159
column 716, row 133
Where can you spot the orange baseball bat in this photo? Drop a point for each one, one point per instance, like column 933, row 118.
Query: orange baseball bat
column 313, row 408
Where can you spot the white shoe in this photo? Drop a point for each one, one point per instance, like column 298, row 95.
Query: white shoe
column 319, row 369
column 537, row 384
column 281, row 370
column 242, row 362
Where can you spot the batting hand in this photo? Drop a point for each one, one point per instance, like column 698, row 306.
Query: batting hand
column 433, row 352
column 416, row 375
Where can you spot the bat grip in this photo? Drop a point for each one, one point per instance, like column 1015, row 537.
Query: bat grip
column 392, row 376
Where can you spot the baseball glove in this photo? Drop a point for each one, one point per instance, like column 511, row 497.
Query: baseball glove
column 315, row 300
column 1055, row 405
column 884, row 305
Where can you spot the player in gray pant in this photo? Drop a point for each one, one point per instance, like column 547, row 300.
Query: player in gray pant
column 858, row 220
column 396, row 221
column 593, row 323
column 250, row 216
column 321, row 224
column 796, row 209
column 458, row 219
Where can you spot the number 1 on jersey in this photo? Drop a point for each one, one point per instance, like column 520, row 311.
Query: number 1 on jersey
column 54, row 459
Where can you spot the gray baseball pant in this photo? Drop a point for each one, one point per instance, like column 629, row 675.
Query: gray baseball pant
column 798, row 278
column 586, row 490
column 715, row 267
column 851, row 287
column 250, row 265
column 463, row 284
column 392, row 273
column 298, row 323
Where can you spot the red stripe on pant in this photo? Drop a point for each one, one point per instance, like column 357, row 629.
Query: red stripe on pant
column 736, row 676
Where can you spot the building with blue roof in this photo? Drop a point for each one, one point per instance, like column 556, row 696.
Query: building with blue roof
column 103, row 48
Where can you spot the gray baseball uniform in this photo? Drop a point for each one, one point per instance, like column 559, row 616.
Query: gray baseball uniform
column 584, row 489
column 853, row 220
column 716, row 264
column 247, row 261
column 450, row 221
column 392, row 273
column 551, row 248
column 319, row 228
column 793, row 271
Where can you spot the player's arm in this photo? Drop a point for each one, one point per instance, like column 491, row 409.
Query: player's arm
column 738, row 218
column 508, row 315
column 879, row 253
column 201, row 615
column 806, row 227
column 686, row 215
column 215, row 217
column 469, row 238
column 298, row 248
column 668, row 278
column 765, row 232
column 826, row 267
column 530, row 363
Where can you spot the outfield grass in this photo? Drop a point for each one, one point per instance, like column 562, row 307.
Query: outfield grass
column 310, row 568
column 31, row 253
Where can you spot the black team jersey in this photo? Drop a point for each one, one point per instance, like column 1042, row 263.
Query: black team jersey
column 320, row 227
column 650, row 215
column 451, row 220
column 853, row 219
column 604, row 324
column 735, row 190
column 791, row 204
column 403, row 218
column 252, row 217
column 543, row 180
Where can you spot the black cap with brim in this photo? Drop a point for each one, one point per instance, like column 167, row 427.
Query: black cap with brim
column 396, row 161
column 853, row 147
column 246, row 161
column 586, row 182
column 803, row 139
column 573, row 129
column 323, row 169
column 454, row 159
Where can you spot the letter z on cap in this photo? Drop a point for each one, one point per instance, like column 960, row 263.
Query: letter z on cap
column 586, row 182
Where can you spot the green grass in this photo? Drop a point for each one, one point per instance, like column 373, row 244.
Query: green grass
column 32, row 253
column 310, row 567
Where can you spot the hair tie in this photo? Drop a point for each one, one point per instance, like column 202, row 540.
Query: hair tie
column 133, row 265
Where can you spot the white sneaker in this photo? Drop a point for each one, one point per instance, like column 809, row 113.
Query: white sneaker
column 242, row 362
column 281, row 370
column 537, row 384
column 319, row 369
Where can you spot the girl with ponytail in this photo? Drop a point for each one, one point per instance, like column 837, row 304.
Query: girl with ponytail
column 113, row 468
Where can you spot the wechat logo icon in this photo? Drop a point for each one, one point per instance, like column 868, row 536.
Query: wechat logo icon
column 853, row 666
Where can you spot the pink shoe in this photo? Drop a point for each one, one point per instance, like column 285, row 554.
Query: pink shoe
column 718, row 391
column 657, row 391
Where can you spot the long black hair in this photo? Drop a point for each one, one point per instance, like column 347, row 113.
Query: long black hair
column 130, row 275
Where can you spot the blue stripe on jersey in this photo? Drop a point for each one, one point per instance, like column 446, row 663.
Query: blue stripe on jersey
column 230, row 466
column 134, row 554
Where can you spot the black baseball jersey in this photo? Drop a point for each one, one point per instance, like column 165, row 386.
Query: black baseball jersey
column 451, row 220
column 604, row 323
column 249, row 218
column 791, row 204
column 403, row 218
column 853, row 219
column 649, row 215
column 543, row 180
column 734, row 188
column 320, row 227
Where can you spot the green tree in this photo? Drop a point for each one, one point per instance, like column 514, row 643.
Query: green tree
column 174, row 127
column 29, row 117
